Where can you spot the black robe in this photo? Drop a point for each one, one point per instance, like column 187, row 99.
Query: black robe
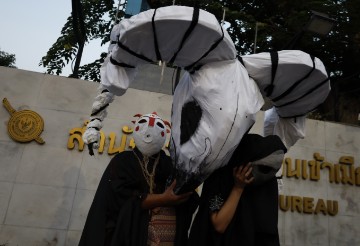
column 256, row 217
column 116, row 218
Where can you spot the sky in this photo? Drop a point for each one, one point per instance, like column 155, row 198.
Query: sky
column 28, row 29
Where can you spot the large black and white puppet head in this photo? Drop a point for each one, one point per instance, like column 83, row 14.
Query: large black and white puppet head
column 212, row 109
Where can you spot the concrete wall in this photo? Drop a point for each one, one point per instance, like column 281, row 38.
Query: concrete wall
column 46, row 190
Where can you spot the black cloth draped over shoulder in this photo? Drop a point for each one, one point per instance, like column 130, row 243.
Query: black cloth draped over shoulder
column 256, row 217
column 116, row 217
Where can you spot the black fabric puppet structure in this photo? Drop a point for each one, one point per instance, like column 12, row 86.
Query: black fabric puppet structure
column 116, row 216
column 256, row 217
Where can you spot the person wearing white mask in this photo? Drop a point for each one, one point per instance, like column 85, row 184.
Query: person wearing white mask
column 135, row 203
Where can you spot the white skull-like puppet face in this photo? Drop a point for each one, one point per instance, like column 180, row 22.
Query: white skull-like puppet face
column 149, row 134
column 212, row 109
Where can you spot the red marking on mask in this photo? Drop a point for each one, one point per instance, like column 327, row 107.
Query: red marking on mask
column 137, row 128
column 162, row 134
column 151, row 121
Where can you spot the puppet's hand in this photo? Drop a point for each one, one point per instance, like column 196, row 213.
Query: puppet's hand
column 91, row 136
column 242, row 176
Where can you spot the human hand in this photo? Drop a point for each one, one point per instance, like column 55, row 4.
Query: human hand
column 242, row 176
column 170, row 198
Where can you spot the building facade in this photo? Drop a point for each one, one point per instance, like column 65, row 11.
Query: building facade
column 46, row 189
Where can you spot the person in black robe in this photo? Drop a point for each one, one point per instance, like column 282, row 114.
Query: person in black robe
column 128, row 194
column 255, row 218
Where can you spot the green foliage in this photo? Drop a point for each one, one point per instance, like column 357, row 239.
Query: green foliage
column 7, row 60
column 98, row 24
column 91, row 71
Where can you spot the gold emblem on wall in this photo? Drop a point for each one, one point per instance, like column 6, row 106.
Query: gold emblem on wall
column 24, row 125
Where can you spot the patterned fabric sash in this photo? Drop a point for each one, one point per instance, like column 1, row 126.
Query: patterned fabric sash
column 162, row 227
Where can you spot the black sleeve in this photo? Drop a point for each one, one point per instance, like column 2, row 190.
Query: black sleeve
column 119, row 192
column 216, row 189
column 125, row 177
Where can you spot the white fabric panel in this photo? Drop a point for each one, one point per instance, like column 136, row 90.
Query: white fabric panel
column 115, row 78
column 228, row 100
column 114, row 36
column 290, row 130
column 171, row 24
column 293, row 65
column 271, row 118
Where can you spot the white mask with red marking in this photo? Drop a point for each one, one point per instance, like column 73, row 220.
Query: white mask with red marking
column 149, row 134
